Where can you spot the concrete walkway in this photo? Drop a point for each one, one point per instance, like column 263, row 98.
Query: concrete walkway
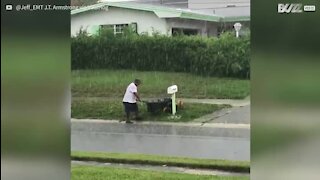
column 232, row 102
column 234, row 115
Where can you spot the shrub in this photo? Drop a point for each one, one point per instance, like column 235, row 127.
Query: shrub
column 225, row 56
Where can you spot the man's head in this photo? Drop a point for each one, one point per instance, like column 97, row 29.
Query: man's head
column 137, row 82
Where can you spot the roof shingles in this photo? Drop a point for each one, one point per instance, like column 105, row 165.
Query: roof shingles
column 160, row 11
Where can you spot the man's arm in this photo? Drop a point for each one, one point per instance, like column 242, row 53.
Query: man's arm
column 137, row 96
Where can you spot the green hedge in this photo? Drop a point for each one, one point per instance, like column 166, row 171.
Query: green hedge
column 225, row 56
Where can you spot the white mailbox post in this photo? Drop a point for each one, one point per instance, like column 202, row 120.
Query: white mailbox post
column 237, row 27
column 172, row 90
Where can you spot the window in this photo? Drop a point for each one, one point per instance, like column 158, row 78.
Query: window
column 134, row 27
column 119, row 28
column 116, row 28
column 188, row 32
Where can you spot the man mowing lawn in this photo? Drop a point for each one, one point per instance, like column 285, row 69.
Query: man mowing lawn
column 130, row 99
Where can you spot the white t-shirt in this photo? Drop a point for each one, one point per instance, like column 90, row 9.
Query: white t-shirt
column 129, row 96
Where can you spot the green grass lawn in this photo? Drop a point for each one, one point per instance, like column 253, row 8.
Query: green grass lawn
column 112, row 83
column 113, row 109
column 111, row 173
column 235, row 166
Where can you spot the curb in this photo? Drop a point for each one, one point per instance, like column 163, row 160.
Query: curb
column 149, row 162
column 156, row 128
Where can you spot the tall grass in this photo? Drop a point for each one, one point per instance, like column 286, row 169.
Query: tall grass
column 226, row 56
column 112, row 83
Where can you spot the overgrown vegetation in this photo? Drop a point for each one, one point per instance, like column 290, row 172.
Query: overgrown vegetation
column 112, row 83
column 226, row 56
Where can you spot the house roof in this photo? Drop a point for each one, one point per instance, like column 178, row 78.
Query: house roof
column 236, row 18
column 160, row 11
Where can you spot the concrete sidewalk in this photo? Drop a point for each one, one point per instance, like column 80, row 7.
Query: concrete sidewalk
column 234, row 115
column 232, row 102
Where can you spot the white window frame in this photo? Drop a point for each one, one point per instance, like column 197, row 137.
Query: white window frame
column 118, row 28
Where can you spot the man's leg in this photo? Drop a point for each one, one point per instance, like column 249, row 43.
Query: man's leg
column 129, row 110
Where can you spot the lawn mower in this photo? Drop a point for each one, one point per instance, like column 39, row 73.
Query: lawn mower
column 163, row 105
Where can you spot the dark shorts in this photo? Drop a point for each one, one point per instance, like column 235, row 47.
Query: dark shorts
column 130, row 107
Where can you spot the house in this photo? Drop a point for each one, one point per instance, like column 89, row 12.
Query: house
column 147, row 18
column 168, row 3
column 220, row 7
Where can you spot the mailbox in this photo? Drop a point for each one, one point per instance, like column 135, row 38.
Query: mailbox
column 172, row 90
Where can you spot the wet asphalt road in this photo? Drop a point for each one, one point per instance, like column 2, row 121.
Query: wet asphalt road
column 97, row 138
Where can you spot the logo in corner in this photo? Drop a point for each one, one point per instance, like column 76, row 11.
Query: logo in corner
column 289, row 8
